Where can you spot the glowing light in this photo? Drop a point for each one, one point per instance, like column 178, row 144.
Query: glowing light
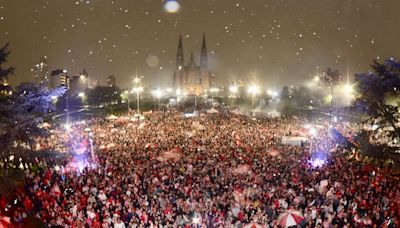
column 172, row 6
column 253, row 89
column 313, row 132
column 316, row 78
column 81, row 94
column 67, row 127
column 318, row 159
column 317, row 162
column 348, row 89
column 158, row 93
column 196, row 220
column 233, row 89
column 214, row 90
column 136, row 80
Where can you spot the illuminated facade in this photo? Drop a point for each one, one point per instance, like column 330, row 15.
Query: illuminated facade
column 192, row 78
column 41, row 71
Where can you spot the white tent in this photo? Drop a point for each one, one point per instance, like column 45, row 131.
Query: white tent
column 112, row 117
column 212, row 111
column 274, row 113
column 294, row 141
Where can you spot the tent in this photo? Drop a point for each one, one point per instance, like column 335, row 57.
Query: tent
column 112, row 117
column 294, row 141
column 273, row 152
column 212, row 111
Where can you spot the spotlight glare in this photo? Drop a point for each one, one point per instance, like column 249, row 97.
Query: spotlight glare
column 172, row 6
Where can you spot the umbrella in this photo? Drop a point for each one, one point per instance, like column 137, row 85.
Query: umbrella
column 253, row 225
column 290, row 218
column 273, row 152
column 242, row 169
column 5, row 222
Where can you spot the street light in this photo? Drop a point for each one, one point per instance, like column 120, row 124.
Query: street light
column 138, row 89
column 233, row 89
column 126, row 93
column 253, row 90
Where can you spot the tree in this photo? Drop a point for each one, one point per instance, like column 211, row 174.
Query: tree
column 4, row 71
column 376, row 97
column 23, row 112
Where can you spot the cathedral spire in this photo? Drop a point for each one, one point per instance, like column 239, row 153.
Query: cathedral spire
column 203, row 55
column 203, row 45
column 179, row 54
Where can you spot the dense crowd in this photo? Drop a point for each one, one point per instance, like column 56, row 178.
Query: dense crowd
column 209, row 171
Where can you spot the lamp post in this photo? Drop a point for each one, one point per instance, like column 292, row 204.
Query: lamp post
column 253, row 90
column 138, row 88
column 233, row 89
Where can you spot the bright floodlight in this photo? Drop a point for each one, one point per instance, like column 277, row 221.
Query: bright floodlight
column 81, row 94
column 348, row 89
column 313, row 131
column 196, row 220
column 158, row 93
column 253, row 89
column 233, row 89
column 172, row 6
column 136, row 80
column 272, row 93
column 67, row 127
column 316, row 78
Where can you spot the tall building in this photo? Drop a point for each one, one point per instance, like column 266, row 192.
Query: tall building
column 192, row 78
column 111, row 81
column 59, row 78
column 41, row 71
column 79, row 83
column 5, row 88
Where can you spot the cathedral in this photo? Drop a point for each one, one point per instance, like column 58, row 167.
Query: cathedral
column 192, row 79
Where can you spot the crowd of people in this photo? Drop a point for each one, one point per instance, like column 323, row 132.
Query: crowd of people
column 208, row 171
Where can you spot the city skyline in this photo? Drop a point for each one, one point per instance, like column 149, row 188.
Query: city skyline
column 273, row 42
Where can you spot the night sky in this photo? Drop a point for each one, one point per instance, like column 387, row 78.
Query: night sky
column 275, row 42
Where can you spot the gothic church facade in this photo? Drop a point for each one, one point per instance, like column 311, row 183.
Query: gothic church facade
column 192, row 79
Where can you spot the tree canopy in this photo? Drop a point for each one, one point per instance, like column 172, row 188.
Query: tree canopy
column 22, row 111
column 377, row 97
